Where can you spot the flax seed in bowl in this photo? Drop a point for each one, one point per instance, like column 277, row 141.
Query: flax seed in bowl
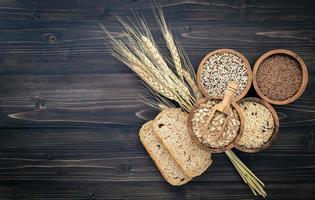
column 280, row 76
column 261, row 124
column 219, row 68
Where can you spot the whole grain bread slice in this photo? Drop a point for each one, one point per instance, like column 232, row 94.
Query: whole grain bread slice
column 161, row 157
column 170, row 127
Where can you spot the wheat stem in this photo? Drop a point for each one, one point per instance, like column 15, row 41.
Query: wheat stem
column 157, row 57
column 170, row 43
column 256, row 185
column 192, row 84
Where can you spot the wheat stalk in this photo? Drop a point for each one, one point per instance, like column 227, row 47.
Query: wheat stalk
column 170, row 43
column 174, row 53
column 181, row 62
column 141, row 55
column 147, row 62
column 174, row 83
column 178, row 85
column 168, row 77
column 123, row 53
column 144, row 40
column 192, row 84
column 143, row 36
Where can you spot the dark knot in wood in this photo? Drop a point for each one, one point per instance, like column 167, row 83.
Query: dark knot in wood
column 50, row 38
column 124, row 167
column 39, row 102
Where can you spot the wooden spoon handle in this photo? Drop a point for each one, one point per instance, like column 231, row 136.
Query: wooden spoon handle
column 228, row 96
column 224, row 105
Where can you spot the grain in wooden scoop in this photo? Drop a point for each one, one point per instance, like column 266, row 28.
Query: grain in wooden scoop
column 198, row 118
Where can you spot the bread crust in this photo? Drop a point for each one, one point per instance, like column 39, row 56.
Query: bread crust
column 181, row 119
column 148, row 127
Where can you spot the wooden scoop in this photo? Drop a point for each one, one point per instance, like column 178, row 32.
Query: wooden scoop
column 223, row 107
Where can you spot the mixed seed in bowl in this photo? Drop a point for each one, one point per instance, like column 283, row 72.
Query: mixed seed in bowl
column 219, row 70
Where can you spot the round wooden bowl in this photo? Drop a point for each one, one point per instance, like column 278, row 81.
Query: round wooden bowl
column 248, row 69
column 275, row 131
column 304, row 76
column 215, row 150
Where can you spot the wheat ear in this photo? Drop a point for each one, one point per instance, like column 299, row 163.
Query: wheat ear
column 192, row 84
column 178, row 57
column 122, row 52
column 170, row 43
column 143, row 39
column 138, row 68
column 132, row 44
column 157, row 57
column 174, row 53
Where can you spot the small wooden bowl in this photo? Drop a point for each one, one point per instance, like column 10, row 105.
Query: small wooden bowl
column 304, row 76
column 215, row 150
column 248, row 69
column 275, row 131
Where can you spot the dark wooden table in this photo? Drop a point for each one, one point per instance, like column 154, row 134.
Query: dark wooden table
column 69, row 115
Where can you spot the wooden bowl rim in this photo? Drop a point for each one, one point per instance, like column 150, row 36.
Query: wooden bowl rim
column 304, row 76
column 275, row 131
column 248, row 69
column 215, row 150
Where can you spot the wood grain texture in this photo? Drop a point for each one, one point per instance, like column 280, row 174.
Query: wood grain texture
column 70, row 115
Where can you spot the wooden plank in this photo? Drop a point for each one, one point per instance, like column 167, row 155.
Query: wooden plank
column 115, row 154
column 70, row 115
column 144, row 190
column 100, row 99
